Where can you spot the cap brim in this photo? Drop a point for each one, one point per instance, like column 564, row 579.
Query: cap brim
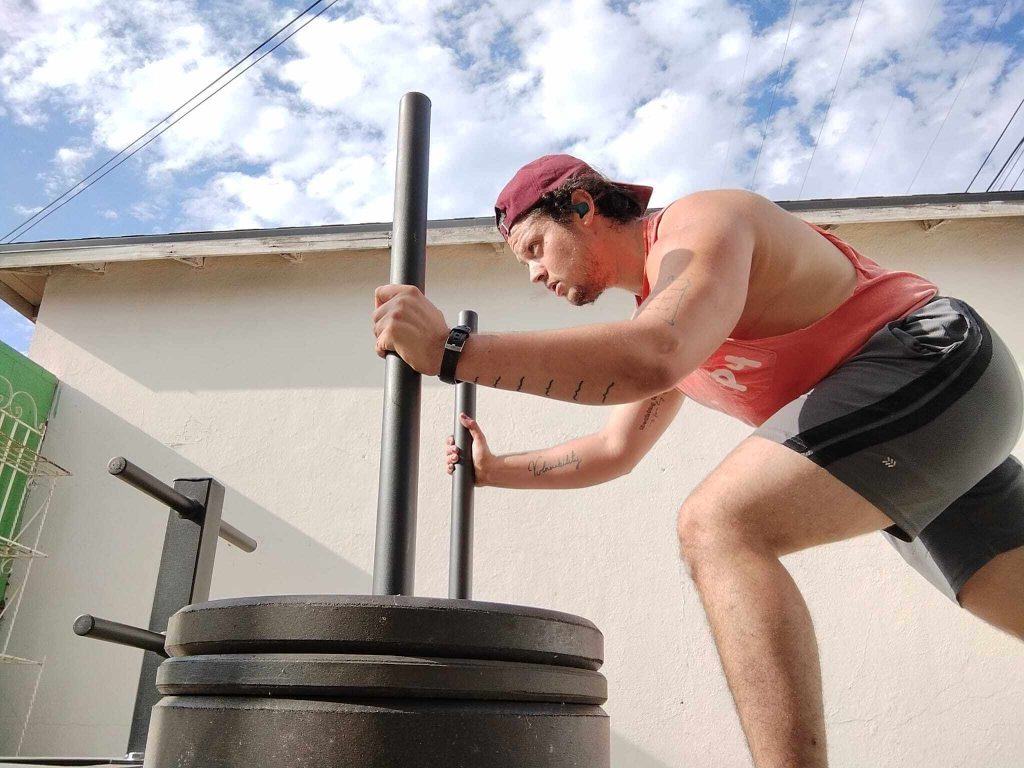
column 640, row 192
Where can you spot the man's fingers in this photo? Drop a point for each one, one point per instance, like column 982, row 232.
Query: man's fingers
column 385, row 293
column 470, row 424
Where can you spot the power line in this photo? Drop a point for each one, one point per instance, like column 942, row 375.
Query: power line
column 739, row 111
column 895, row 94
column 830, row 98
column 959, row 91
column 1016, row 149
column 1014, row 166
column 771, row 107
column 78, row 187
column 165, row 119
column 1017, row 180
column 1001, row 134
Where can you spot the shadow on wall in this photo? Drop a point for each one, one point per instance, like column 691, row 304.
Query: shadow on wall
column 104, row 541
column 257, row 323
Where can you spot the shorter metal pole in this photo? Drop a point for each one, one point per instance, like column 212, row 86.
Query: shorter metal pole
column 122, row 634
column 460, row 567
column 141, row 480
column 188, row 508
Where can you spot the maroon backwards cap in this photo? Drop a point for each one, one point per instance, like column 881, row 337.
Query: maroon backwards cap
column 543, row 175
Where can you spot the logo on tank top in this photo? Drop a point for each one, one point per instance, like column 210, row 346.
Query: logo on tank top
column 726, row 376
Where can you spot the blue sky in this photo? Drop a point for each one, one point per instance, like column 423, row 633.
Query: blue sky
column 676, row 93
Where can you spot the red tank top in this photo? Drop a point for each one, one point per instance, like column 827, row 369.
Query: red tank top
column 752, row 378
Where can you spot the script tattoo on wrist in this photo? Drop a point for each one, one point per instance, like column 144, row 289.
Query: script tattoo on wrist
column 540, row 466
column 653, row 405
column 667, row 296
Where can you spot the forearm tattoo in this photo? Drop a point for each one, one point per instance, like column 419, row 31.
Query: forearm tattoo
column 551, row 383
column 540, row 466
column 667, row 296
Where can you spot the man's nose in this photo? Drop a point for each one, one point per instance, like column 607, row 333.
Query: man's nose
column 537, row 273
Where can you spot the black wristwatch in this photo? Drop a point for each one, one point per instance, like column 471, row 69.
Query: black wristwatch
column 452, row 349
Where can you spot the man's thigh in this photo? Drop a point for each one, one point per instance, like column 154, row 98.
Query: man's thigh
column 772, row 497
column 995, row 593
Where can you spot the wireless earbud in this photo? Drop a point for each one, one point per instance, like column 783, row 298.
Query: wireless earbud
column 581, row 209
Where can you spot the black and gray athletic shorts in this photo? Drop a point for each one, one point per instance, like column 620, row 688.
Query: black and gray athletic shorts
column 921, row 422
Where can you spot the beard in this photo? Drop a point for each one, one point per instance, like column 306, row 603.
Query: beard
column 588, row 287
column 580, row 296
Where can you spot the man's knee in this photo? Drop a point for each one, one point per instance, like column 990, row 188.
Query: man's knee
column 701, row 528
column 708, row 527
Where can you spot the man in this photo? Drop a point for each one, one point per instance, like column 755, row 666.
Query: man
column 878, row 406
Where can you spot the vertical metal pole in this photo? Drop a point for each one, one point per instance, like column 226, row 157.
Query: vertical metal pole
column 186, row 567
column 395, row 552
column 460, row 562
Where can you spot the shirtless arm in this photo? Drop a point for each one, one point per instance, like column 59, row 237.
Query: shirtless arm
column 611, row 452
column 699, row 267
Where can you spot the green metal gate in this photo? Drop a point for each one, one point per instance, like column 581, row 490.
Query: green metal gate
column 26, row 396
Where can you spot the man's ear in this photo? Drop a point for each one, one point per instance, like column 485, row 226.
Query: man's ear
column 583, row 205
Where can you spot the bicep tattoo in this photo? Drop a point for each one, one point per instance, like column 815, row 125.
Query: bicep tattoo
column 653, row 406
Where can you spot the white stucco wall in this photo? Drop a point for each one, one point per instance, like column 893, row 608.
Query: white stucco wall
column 262, row 374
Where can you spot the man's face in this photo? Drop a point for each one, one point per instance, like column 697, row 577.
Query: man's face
column 556, row 256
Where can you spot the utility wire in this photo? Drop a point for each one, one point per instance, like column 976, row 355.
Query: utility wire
column 1017, row 180
column 771, row 108
column 835, row 87
column 49, row 209
column 1013, row 167
column 959, row 91
column 1001, row 134
column 739, row 111
column 895, row 94
column 1016, row 149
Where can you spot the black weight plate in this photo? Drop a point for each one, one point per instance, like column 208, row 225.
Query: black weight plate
column 309, row 675
column 250, row 732
column 385, row 625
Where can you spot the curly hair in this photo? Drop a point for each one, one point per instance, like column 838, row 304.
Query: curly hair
column 611, row 201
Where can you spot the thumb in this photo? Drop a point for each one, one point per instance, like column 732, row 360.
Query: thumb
column 470, row 424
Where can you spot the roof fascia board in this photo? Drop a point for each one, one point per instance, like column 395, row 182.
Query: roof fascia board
column 292, row 241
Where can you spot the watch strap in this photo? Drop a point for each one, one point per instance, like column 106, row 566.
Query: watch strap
column 452, row 350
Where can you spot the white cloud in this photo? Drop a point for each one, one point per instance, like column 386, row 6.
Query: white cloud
column 665, row 91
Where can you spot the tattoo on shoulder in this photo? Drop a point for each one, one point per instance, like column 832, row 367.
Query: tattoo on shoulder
column 540, row 466
column 667, row 296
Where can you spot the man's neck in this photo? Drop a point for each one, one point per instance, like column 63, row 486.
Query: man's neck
column 627, row 245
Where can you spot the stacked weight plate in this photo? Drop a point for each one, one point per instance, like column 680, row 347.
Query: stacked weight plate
column 378, row 682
